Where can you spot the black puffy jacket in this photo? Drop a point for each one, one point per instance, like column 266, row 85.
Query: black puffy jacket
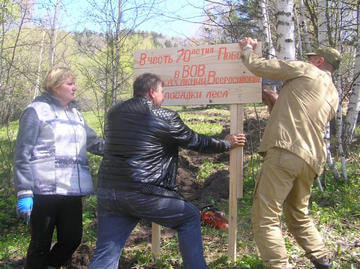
column 142, row 142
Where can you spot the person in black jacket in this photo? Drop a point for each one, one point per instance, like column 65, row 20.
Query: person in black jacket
column 138, row 171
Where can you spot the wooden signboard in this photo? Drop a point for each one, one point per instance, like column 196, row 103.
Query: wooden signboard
column 201, row 75
column 211, row 74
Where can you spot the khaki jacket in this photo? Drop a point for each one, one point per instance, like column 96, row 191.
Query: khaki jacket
column 308, row 100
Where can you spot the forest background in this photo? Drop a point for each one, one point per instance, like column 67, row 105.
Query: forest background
column 34, row 36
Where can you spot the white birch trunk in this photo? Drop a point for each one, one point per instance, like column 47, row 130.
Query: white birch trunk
column 37, row 84
column 53, row 35
column 339, row 116
column 322, row 23
column 339, row 128
column 303, row 23
column 299, row 36
column 330, row 160
column 323, row 41
column 285, row 29
column 354, row 102
column 266, row 31
column 117, row 54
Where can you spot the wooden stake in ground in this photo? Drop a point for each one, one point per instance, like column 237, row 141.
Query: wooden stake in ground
column 155, row 239
column 236, row 177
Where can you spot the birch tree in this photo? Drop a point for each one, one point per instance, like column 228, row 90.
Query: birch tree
column 339, row 129
column 304, row 25
column 117, row 54
column 351, row 118
column 265, row 29
column 323, row 41
column 285, row 29
column 322, row 23
column 354, row 100
column 52, row 35
column 38, row 75
column 339, row 116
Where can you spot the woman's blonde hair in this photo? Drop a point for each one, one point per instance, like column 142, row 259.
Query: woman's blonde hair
column 56, row 77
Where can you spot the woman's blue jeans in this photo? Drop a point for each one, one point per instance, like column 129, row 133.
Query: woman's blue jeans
column 120, row 211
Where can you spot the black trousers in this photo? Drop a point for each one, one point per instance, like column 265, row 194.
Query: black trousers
column 50, row 211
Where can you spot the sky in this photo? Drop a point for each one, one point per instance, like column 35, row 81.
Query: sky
column 168, row 24
column 74, row 16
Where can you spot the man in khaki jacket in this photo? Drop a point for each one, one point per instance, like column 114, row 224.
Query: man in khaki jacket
column 293, row 149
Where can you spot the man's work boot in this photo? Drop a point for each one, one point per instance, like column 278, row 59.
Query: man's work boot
column 320, row 264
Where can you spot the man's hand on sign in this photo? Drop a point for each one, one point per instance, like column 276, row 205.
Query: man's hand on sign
column 236, row 140
column 248, row 42
column 269, row 98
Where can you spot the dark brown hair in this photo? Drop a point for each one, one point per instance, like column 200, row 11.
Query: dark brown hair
column 144, row 83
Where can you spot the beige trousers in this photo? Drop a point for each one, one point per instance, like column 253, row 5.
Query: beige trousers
column 284, row 179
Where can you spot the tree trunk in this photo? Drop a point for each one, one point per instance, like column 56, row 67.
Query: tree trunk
column 285, row 29
column 268, row 46
column 322, row 23
column 339, row 115
column 323, row 41
column 303, row 25
column 52, row 44
column 115, row 85
column 354, row 103
column 299, row 48
column 339, row 129
column 38, row 75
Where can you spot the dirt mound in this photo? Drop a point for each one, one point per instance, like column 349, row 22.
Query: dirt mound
column 216, row 189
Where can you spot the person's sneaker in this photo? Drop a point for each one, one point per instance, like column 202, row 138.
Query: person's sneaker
column 212, row 216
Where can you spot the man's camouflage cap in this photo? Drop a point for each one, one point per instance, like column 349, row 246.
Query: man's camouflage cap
column 332, row 56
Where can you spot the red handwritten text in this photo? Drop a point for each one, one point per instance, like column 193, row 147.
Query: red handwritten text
column 187, row 95
column 145, row 59
column 225, row 55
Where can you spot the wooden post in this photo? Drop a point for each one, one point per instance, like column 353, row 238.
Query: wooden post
column 236, row 174
column 239, row 152
column 155, row 239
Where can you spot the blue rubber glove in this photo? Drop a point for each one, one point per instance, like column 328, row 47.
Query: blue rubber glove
column 24, row 207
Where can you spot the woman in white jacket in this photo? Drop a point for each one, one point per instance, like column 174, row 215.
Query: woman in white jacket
column 51, row 170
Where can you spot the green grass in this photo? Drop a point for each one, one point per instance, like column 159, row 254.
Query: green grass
column 10, row 132
column 15, row 243
column 206, row 128
column 186, row 117
column 206, row 169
